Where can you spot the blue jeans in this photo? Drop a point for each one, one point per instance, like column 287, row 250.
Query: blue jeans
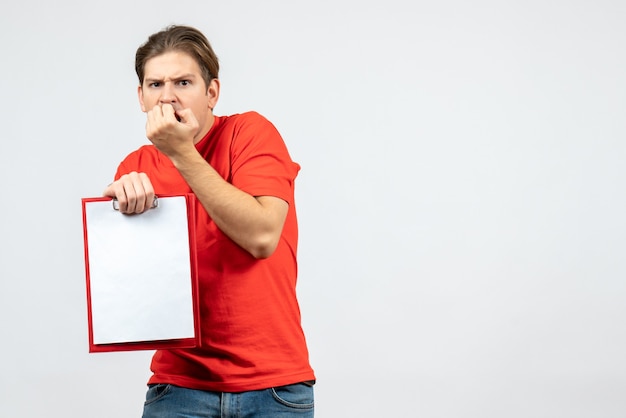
column 169, row 401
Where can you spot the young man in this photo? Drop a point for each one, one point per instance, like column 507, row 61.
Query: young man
column 253, row 359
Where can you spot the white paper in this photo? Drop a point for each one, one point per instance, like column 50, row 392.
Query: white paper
column 139, row 273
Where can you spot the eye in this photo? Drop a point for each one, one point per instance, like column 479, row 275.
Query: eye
column 154, row 84
column 184, row 82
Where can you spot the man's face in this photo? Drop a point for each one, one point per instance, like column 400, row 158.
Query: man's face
column 175, row 78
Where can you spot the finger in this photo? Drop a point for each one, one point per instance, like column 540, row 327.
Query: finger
column 154, row 122
column 148, row 190
column 167, row 110
column 187, row 117
column 170, row 114
column 109, row 191
column 155, row 114
column 127, row 195
column 143, row 196
column 139, row 182
column 183, row 115
column 134, row 193
column 157, row 110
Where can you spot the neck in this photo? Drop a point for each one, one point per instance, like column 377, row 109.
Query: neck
column 205, row 129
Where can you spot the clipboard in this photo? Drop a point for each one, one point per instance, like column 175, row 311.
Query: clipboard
column 141, row 275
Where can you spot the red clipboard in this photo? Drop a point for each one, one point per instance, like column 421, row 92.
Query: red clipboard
column 141, row 275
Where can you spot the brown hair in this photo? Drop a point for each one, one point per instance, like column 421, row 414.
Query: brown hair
column 179, row 38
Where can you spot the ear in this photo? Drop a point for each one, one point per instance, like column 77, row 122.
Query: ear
column 140, row 96
column 213, row 93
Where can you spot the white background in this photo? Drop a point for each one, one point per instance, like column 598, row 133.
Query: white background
column 461, row 200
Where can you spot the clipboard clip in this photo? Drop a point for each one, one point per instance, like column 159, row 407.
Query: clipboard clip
column 116, row 205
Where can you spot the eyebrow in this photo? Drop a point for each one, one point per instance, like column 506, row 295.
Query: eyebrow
column 188, row 76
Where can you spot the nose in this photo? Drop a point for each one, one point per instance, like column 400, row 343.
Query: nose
column 167, row 93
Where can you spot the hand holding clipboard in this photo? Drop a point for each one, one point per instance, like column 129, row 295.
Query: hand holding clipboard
column 141, row 275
